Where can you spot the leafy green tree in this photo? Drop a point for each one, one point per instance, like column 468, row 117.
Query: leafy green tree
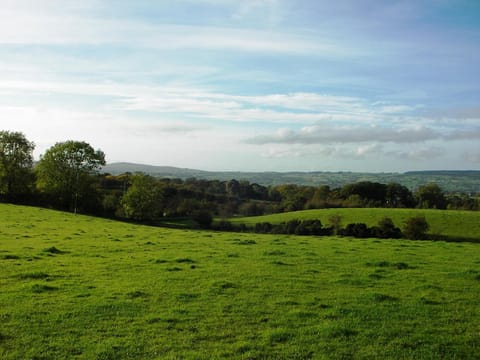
column 399, row 196
column 431, row 196
column 143, row 199
column 67, row 170
column 16, row 162
column 416, row 228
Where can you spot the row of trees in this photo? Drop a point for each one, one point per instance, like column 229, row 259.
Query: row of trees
column 67, row 176
column 413, row 228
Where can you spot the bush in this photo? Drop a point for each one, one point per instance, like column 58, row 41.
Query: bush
column 416, row 228
column 263, row 228
column 386, row 229
column 358, row 230
column 203, row 218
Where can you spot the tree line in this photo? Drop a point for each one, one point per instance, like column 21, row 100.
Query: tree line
column 68, row 177
column 415, row 228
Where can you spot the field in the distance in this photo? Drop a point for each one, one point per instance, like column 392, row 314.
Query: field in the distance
column 454, row 225
column 77, row 287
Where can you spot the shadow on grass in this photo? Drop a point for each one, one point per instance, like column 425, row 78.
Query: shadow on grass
column 449, row 238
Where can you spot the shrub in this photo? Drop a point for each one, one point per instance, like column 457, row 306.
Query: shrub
column 203, row 218
column 386, row 229
column 416, row 228
column 358, row 230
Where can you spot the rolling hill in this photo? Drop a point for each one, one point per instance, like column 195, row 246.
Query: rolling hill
column 450, row 181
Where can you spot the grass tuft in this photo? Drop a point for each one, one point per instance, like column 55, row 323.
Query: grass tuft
column 137, row 294
column 10, row 257
column 245, row 242
column 53, row 250
column 341, row 332
column 34, row 276
column 280, row 336
column 40, row 288
column 382, row 297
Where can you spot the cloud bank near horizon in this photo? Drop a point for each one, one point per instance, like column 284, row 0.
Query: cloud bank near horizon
column 255, row 85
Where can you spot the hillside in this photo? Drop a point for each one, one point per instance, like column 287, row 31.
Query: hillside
column 453, row 225
column 87, row 288
column 450, row 181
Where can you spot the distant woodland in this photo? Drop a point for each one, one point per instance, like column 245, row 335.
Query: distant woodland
column 69, row 177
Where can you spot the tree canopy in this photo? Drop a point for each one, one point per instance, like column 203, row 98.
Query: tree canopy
column 16, row 162
column 66, row 170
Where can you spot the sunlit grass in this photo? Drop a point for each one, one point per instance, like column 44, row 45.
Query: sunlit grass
column 85, row 288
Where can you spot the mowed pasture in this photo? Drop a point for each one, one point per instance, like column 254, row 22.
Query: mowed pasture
column 79, row 287
column 453, row 225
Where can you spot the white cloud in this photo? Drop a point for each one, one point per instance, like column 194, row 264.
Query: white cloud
column 49, row 28
column 323, row 134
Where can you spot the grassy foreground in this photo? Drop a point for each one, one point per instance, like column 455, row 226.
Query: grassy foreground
column 451, row 224
column 77, row 287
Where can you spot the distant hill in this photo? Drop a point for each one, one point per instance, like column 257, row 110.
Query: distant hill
column 467, row 181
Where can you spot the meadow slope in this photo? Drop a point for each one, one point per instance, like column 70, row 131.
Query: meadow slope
column 79, row 287
column 452, row 224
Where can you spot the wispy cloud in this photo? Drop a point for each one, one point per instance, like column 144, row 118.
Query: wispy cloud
column 350, row 81
column 321, row 134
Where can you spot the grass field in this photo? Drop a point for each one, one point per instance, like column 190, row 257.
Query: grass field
column 76, row 287
column 453, row 224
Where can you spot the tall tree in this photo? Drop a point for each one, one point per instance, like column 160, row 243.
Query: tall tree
column 67, row 170
column 16, row 162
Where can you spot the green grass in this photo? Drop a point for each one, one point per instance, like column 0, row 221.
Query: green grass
column 77, row 287
column 449, row 223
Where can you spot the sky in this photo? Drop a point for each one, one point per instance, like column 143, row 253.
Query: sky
column 251, row 85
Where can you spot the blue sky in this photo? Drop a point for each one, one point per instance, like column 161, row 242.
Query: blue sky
column 253, row 85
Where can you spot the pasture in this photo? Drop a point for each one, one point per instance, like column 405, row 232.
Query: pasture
column 454, row 225
column 79, row 287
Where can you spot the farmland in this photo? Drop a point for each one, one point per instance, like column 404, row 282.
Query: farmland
column 83, row 288
column 452, row 225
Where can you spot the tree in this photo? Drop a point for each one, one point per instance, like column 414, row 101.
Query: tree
column 143, row 199
column 67, row 170
column 16, row 162
column 416, row 228
column 399, row 196
column 431, row 196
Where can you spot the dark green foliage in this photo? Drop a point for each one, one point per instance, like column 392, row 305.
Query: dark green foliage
column 386, row 229
column 263, row 228
column 292, row 227
column 16, row 161
column 416, row 228
column 430, row 196
column 358, row 230
column 203, row 218
column 370, row 193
